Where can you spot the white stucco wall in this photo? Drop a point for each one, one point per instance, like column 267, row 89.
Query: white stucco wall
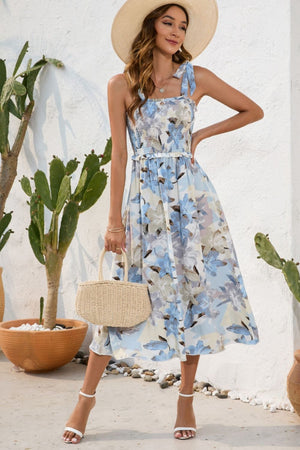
column 250, row 168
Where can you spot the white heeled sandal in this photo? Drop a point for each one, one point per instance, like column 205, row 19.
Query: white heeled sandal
column 73, row 430
column 184, row 428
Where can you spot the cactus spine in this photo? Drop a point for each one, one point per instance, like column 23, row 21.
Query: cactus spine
column 50, row 248
column 21, row 108
column 288, row 268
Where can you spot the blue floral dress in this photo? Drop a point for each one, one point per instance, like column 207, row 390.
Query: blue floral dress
column 178, row 242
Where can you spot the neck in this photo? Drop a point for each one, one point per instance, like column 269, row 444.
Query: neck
column 163, row 66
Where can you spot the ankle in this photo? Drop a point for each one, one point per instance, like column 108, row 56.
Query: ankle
column 186, row 390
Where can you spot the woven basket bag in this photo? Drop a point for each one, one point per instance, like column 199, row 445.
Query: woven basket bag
column 113, row 303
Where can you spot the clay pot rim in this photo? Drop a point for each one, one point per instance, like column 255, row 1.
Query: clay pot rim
column 5, row 326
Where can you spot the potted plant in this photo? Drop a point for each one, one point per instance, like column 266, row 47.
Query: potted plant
column 21, row 108
column 291, row 274
column 46, row 350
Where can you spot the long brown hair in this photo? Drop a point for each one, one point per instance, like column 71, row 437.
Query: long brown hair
column 138, row 70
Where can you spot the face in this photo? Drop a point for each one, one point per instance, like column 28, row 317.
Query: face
column 171, row 29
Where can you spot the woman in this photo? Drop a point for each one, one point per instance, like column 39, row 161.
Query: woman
column 173, row 229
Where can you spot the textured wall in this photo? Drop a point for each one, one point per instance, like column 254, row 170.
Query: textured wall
column 250, row 168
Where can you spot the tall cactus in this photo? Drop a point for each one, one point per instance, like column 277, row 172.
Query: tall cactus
column 289, row 268
column 50, row 248
column 21, row 108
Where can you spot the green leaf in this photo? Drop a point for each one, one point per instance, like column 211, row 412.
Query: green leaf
column 4, row 124
column 13, row 109
column 25, row 184
column 81, row 184
column 91, row 164
column 7, row 92
column 63, row 194
column 18, row 88
column 21, row 57
column 68, row 226
column 107, row 153
column 2, row 74
column 34, row 239
column 292, row 278
column 30, row 78
column 37, row 215
column 57, row 173
column 71, row 166
column 4, row 222
column 5, row 239
column 42, row 188
column 94, row 190
column 56, row 62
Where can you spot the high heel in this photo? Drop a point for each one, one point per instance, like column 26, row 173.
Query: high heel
column 74, row 430
column 184, row 428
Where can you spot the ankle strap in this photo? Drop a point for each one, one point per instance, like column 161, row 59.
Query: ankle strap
column 87, row 395
column 185, row 395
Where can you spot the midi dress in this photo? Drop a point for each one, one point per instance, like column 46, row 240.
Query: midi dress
column 178, row 242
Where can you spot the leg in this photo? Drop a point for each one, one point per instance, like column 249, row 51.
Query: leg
column 79, row 416
column 185, row 413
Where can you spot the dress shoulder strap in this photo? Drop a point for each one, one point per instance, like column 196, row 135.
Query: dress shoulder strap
column 186, row 71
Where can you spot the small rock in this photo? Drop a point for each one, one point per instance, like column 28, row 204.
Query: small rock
column 220, row 395
column 164, row 384
column 104, row 375
column 170, row 377
column 198, row 386
column 207, row 385
column 272, row 408
column 115, row 372
column 178, row 376
column 136, row 373
column 207, row 393
column 125, row 374
column 123, row 364
column 136, row 366
column 79, row 354
column 177, row 383
column 148, row 378
column 210, row 389
column 215, row 392
column 170, row 383
column 234, row 395
column 204, row 390
column 77, row 360
column 253, row 402
column 155, row 377
column 148, row 372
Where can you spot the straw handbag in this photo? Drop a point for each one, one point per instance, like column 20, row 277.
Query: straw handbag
column 113, row 303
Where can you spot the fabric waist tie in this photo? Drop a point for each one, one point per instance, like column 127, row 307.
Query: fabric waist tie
column 137, row 157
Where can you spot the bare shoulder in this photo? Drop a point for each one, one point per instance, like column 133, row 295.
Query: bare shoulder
column 118, row 83
column 203, row 74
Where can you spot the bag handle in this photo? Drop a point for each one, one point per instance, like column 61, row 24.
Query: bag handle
column 124, row 258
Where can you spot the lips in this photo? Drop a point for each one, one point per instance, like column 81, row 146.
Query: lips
column 172, row 42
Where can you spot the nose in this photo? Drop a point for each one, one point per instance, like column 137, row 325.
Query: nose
column 175, row 31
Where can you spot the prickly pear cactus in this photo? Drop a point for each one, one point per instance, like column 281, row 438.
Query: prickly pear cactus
column 65, row 206
column 4, row 234
column 289, row 268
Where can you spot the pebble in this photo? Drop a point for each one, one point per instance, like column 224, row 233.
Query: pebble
column 272, row 408
column 148, row 378
column 114, row 371
column 136, row 374
column 177, row 383
column 148, row 372
column 178, row 376
column 215, row 392
column 170, row 377
column 136, row 366
column 164, row 384
column 221, row 395
column 34, row 327
column 207, row 392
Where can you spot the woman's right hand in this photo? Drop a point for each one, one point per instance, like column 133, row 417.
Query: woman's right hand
column 114, row 242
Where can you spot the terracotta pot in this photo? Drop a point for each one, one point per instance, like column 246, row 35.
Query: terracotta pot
column 293, row 383
column 40, row 351
column 2, row 303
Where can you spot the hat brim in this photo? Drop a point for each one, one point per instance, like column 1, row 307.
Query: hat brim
column 203, row 19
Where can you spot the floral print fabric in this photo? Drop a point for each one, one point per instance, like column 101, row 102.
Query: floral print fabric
column 178, row 242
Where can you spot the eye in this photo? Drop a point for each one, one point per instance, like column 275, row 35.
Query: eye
column 183, row 28
column 167, row 23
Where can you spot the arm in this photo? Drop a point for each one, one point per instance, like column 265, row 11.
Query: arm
column 209, row 84
column 117, row 87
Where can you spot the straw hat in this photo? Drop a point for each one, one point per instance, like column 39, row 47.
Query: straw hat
column 203, row 18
